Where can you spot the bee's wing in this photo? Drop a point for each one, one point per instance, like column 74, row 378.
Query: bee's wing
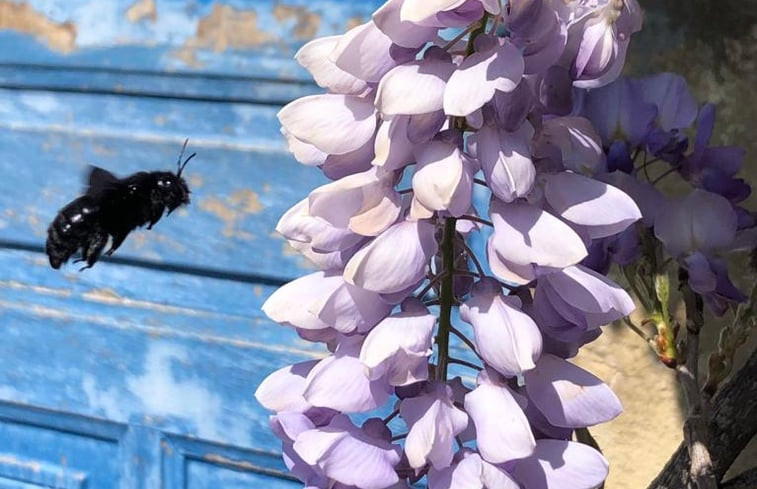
column 100, row 180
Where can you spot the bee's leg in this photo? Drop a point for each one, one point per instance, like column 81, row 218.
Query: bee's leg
column 95, row 245
column 117, row 240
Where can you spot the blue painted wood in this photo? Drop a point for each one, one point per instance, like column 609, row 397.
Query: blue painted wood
column 188, row 86
column 140, row 372
column 241, row 181
column 230, row 37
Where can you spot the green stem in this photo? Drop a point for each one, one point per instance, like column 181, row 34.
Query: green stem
column 446, row 297
column 478, row 31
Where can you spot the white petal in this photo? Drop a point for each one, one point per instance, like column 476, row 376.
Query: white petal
column 502, row 430
column 441, row 181
column 333, row 123
column 414, row 88
column 314, row 57
column 395, row 260
column 364, row 52
column 418, row 10
column 569, row 396
column 525, row 234
column 473, row 84
column 603, row 209
column 340, row 382
column 282, row 390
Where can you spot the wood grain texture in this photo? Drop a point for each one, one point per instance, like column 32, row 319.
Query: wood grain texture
column 234, row 37
column 242, row 180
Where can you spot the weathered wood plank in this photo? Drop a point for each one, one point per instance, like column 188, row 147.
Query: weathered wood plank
column 201, row 87
column 176, row 368
column 231, row 37
column 242, row 180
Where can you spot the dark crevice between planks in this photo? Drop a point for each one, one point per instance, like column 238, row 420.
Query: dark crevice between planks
column 176, row 85
column 153, row 95
column 249, row 278
column 173, row 74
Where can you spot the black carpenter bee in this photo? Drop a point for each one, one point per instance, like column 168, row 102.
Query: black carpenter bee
column 112, row 208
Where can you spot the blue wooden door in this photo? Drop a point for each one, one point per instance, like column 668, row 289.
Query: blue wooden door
column 140, row 372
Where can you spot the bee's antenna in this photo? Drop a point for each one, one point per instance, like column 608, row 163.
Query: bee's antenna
column 181, row 155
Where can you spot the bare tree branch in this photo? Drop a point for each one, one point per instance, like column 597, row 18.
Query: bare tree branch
column 732, row 425
column 695, row 429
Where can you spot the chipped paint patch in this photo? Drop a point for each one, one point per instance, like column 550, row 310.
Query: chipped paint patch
column 353, row 22
column 12, row 284
column 224, row 28
column 140, row 10
column 247, row 200
column 306, row 23
column 23, row 18
column 226, row 461
column 195, row 181
column 109, row 296
column 233, row 209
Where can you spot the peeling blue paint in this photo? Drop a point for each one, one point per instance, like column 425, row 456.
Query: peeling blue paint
column 140, row 373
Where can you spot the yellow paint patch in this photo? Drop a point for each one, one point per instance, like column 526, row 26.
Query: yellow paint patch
column 224, row 28
column 257, row 290
column 109, row 296
column 23, row 18
column 12, row 284
column 306, row 22
column 233, row 209
column 353, row 22
column 248, row 200
column 140, row 10
column 221, row 460
column 195, row 181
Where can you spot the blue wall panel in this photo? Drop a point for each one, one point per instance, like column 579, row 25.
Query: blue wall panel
column 140, row 372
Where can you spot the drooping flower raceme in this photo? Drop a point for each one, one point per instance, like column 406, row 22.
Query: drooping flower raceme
column 466, row 349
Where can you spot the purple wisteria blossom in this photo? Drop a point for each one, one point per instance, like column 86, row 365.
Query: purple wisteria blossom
column 465, row 349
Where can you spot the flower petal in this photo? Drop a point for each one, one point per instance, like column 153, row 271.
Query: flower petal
column 434, row 422
column 364, row 52
column 506, row 337
column 568, row 395
column 419, row 10
column 402, row 32
column 399, row 344
column 478, row 77
column 414, row 88
column 282, row 390
column 442, row 180
column 506, row 160
column 349, row 455
column 603, row 210
column 599, row 299
column 366, row 203
column 560, row 463
column 502, row 430
column 700, row 222
column 325, row 120
column 395, row 260
column 525, row 234
column 315, row 57
column 340, row 382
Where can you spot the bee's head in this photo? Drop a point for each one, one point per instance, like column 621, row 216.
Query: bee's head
column 174, row 188
column 174, row 191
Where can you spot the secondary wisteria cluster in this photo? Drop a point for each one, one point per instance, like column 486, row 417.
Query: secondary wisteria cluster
column 429, row 104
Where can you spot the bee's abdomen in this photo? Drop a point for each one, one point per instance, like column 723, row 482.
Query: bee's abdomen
column 70, row 229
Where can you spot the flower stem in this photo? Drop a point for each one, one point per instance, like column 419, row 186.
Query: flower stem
column 446, row 297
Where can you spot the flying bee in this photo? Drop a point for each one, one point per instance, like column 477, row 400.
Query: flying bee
column 112, row 208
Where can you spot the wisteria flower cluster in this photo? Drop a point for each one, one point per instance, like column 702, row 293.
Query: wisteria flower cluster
column 429, row 106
